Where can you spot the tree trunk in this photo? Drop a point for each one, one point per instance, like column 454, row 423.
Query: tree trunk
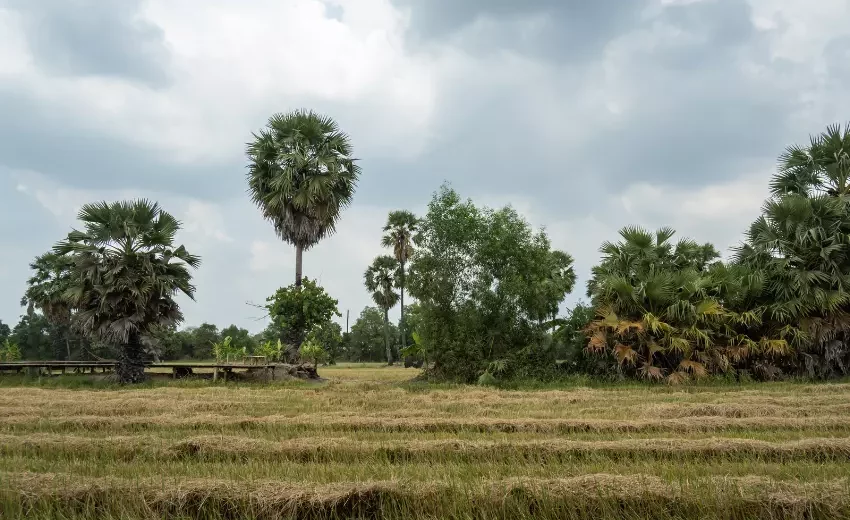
column 299, row 264
column 402, row 324
column 131, row 364
column 387, row 337
column 67, row 349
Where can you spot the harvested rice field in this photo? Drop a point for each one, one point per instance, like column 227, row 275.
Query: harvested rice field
column 367, row 444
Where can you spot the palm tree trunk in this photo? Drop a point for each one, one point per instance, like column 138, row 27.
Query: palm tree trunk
column 131, row 365
column 387, row 336
column 401, row 323
column 299, row 264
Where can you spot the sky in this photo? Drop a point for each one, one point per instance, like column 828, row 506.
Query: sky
column 585, row 116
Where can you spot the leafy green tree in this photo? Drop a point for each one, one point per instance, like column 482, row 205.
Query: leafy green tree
column 5, row 331
column 123, row 273
column 367, row 339
column 398, row 235
column 240, row 337
column 201, row 340
column 571, row 338
column 380, row 280
column 484, row 281
column 295, row 310
column 301, row 173
column 329, row 336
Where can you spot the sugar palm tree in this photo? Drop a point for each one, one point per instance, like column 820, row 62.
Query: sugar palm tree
column 123, row 273
column 301, row 174
column 380, row 280
column 657, row 312
column 821, row 167
column 398, row 234
column 801, row 244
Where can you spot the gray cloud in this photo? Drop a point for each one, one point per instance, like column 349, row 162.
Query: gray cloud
column 91, row 37
column 564, row 30
column 37, row 137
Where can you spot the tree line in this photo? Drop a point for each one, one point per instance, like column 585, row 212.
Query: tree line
column 486, row 286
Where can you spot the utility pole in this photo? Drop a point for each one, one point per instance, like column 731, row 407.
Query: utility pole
column 346, row 320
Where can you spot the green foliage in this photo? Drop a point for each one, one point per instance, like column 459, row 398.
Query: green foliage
column 380, row 279
column 272, row 350
column 5, row 331
column 313, row 351
column 9, row 351
column 296, row 310
column 116, row 279
column 366, row 341
column 485, row 282
column 329, row 336
column 487, row 379
column 780, row 308
column 301, row 173
column 241, row 337
column 199, row 341
column 228, row 350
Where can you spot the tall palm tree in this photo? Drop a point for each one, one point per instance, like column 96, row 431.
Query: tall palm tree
column 301, row 174
column 380, row 279
column 123, row 274
column 398, row 234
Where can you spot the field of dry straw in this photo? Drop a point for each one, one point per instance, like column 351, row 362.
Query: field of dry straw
column 368, row 445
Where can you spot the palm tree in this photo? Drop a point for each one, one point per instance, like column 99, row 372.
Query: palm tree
column 801, row 245
column 45, row 289
column 301, row 174
column 124, row 272
column 822, row 167
column 657, row 311
column 398, row 235
column 380, row 280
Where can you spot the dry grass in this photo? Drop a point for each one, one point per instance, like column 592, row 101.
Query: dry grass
column 363, row 445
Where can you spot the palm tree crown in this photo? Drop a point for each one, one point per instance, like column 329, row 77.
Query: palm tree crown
column 301, row 174
column 398, row 234
column 380, row 280
column 125, row 270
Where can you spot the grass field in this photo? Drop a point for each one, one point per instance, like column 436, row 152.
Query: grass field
column 367, row 444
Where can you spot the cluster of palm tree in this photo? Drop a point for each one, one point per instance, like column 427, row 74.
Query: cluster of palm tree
column 389, row 272
column 115, row 279
column 779, row 306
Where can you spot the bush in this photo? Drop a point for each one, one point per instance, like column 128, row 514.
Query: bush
column 9, row 351
column 314, row 352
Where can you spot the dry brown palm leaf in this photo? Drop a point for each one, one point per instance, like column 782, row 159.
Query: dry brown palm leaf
column 651, row 373
column 677, row 378
column 696, row 368
column 774, row 347
column 598, row 342
column 625, row 353
column 626, row 326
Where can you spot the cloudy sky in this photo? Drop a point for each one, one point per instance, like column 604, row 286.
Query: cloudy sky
column 586, row 116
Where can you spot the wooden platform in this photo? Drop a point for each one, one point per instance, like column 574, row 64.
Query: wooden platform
column 178, row 369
